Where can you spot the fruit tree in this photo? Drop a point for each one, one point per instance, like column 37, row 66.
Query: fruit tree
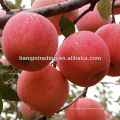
column 59, row 60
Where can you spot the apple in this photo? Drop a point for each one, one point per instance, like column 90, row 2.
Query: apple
column 109, row 116
column 91, row 21
column 55, row 19
column 116, row 10
column 45, row 91
column 84, row 109
column 110, row 34
column 2, row 13
column 77, row 65
column 32, row 36
column 3, row 61
column 27, row 112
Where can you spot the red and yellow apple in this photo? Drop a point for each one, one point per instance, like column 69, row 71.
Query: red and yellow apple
column 45, row 91
column 111, row 35
column 86, row 56
column 55, row 19
column 85, row 109
column 91, row 21
column 27, row 112
column 29, row 35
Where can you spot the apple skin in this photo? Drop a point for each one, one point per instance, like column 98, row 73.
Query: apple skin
column 55, row 19
column 112, row 40
column 116, row 10
column 2, row 13
column 109, row 116
column 84, row 73
column 79, row 111
column 45, row 91
column 32, row 35
column 27, row 112
column 91, row 21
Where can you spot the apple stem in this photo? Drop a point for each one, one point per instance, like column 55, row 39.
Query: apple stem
column 83, row 94
column 5, row 7
column 113, row 17
column 91, row 7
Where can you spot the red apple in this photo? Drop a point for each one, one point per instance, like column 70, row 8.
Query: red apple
column 111, row 35
column 91, row 21
column 55, row 19
column 29, row 35
column 27, row 112
column 45, row 90
column 109, row 116
column 78, row 65
column 85, row 109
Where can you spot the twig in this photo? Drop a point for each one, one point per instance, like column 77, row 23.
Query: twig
column 51, row 10
column 113, row 17
column 110, row 83
column 5, row 7
column 43, row 118
column 83, row 94
column 91, row 7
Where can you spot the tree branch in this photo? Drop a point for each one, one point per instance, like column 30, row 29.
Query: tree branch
column 113, row 17
column 83, row 94
column 5, row 7
column 116, row 83
column 51, row 10
column 92, row 5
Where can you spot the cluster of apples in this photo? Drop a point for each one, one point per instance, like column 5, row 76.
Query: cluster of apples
column 83, row 109
column 41, row 86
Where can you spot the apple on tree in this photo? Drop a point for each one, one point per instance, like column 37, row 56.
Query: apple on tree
column 29, row 38
column 110, row 33
column 109, row 116
column 27, row 112
column 44, row 91
column 84, row 73
column 55, row 19
column 91, row 21
column 85, row 109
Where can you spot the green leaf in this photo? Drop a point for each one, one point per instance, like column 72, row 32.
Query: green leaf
column 7, row 77
column 10, row 4
column 67, row 27
column 32, row 1
column 1, row 104
column 18, row 2
column 104, row 8
column 8, row 93
column 4, row 69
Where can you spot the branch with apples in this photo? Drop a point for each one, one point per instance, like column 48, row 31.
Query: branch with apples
column 28, row 34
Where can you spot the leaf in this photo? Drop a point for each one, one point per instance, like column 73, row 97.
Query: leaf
column 1, row 104
column 18, row 2
column 67, row 27
column 4, row 69
column 10, row 4
column 32, row 1
column 104, row 8
column 7, row 77
column 8, row 93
